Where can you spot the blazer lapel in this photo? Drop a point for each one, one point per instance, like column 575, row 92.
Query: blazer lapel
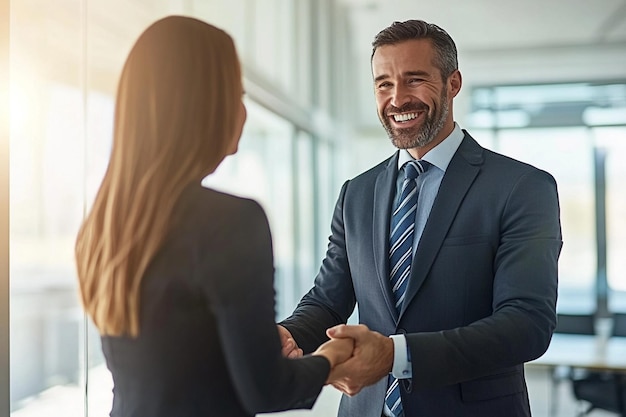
column 384, row 190
column 460, row 174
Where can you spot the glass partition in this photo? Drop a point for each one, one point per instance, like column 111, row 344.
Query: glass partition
column 65, row 60
column 46, row 206
column 612, row 140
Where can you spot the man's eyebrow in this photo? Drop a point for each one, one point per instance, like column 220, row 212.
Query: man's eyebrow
column 418, row 73
column 381, row 77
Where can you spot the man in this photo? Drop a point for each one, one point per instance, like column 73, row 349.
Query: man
column 476, row 297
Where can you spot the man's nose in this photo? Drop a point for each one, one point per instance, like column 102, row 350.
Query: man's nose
column 400, row 96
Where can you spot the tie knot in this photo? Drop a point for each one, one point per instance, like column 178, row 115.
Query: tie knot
column 414, row 168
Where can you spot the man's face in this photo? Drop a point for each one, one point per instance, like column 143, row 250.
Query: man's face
column 413, row 101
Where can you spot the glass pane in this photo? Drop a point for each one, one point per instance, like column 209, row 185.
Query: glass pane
column 305, row 214
column 100, row 108
column 325, row 199
column 567, row 154
column 272, row 48
column 613, row 141
column 46, row 203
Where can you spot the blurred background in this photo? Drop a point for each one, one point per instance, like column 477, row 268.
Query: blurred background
column 544, row 82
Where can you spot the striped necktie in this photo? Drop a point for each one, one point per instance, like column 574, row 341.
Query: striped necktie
column 401, row 255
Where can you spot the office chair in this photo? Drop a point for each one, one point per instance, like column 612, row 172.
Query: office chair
column 603, row 390
column 568, row 324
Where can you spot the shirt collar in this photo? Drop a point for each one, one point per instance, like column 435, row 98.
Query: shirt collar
column 441, row 155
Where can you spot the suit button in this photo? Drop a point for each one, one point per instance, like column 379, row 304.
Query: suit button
column 407, row 384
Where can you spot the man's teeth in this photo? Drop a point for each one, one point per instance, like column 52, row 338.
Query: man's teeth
column 404, row 117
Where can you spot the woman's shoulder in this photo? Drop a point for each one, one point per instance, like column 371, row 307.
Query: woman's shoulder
column 199, row 200
column 198, row 194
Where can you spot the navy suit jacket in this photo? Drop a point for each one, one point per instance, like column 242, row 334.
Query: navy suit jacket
column 481, row 298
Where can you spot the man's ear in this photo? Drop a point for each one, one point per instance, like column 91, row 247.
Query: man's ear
column 454, row 83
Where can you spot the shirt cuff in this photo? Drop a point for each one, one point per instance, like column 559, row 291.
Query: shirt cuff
column 401, row 358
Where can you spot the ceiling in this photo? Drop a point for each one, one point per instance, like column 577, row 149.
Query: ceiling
column 480, row 25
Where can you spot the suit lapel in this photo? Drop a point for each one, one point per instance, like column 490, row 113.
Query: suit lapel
column 459, row 176
column 384, row 190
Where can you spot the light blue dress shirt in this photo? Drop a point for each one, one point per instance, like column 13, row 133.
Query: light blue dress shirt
column 427, row 186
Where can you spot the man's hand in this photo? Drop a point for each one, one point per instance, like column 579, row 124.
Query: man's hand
column 290, row 347
column 372, row 358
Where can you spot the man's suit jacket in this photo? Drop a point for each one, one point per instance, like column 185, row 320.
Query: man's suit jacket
column 482, row 292
column 208, row 344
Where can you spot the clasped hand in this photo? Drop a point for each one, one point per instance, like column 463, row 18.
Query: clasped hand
column 359, row 357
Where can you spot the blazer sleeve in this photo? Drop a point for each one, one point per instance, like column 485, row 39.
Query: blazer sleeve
column 331, row 301
column 242, row 299
column 524, row 295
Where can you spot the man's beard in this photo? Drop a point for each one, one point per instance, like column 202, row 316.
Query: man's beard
column 418, row 136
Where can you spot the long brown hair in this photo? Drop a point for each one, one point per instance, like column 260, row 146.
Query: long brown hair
column 175, row 119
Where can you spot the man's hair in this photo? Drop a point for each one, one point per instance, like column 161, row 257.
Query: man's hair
column 445, row 49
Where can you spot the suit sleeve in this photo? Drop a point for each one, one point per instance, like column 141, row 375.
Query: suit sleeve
column 524, row 295
column 331, row 301
column 242, row 298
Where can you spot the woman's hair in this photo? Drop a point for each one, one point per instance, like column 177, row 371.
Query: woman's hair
column 175, row 120
column 445, row 49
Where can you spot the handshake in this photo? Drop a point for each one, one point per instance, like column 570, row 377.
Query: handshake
column 358, row 356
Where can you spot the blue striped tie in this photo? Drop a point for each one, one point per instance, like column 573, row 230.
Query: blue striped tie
column 401, row 255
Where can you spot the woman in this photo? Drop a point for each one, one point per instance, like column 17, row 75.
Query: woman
column 179, row 278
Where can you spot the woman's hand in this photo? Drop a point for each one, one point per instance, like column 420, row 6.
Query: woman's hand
column 336, row 351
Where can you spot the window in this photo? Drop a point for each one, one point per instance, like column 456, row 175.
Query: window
column 65, row 60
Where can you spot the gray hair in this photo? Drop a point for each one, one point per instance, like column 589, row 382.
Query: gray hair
column 445, row 49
